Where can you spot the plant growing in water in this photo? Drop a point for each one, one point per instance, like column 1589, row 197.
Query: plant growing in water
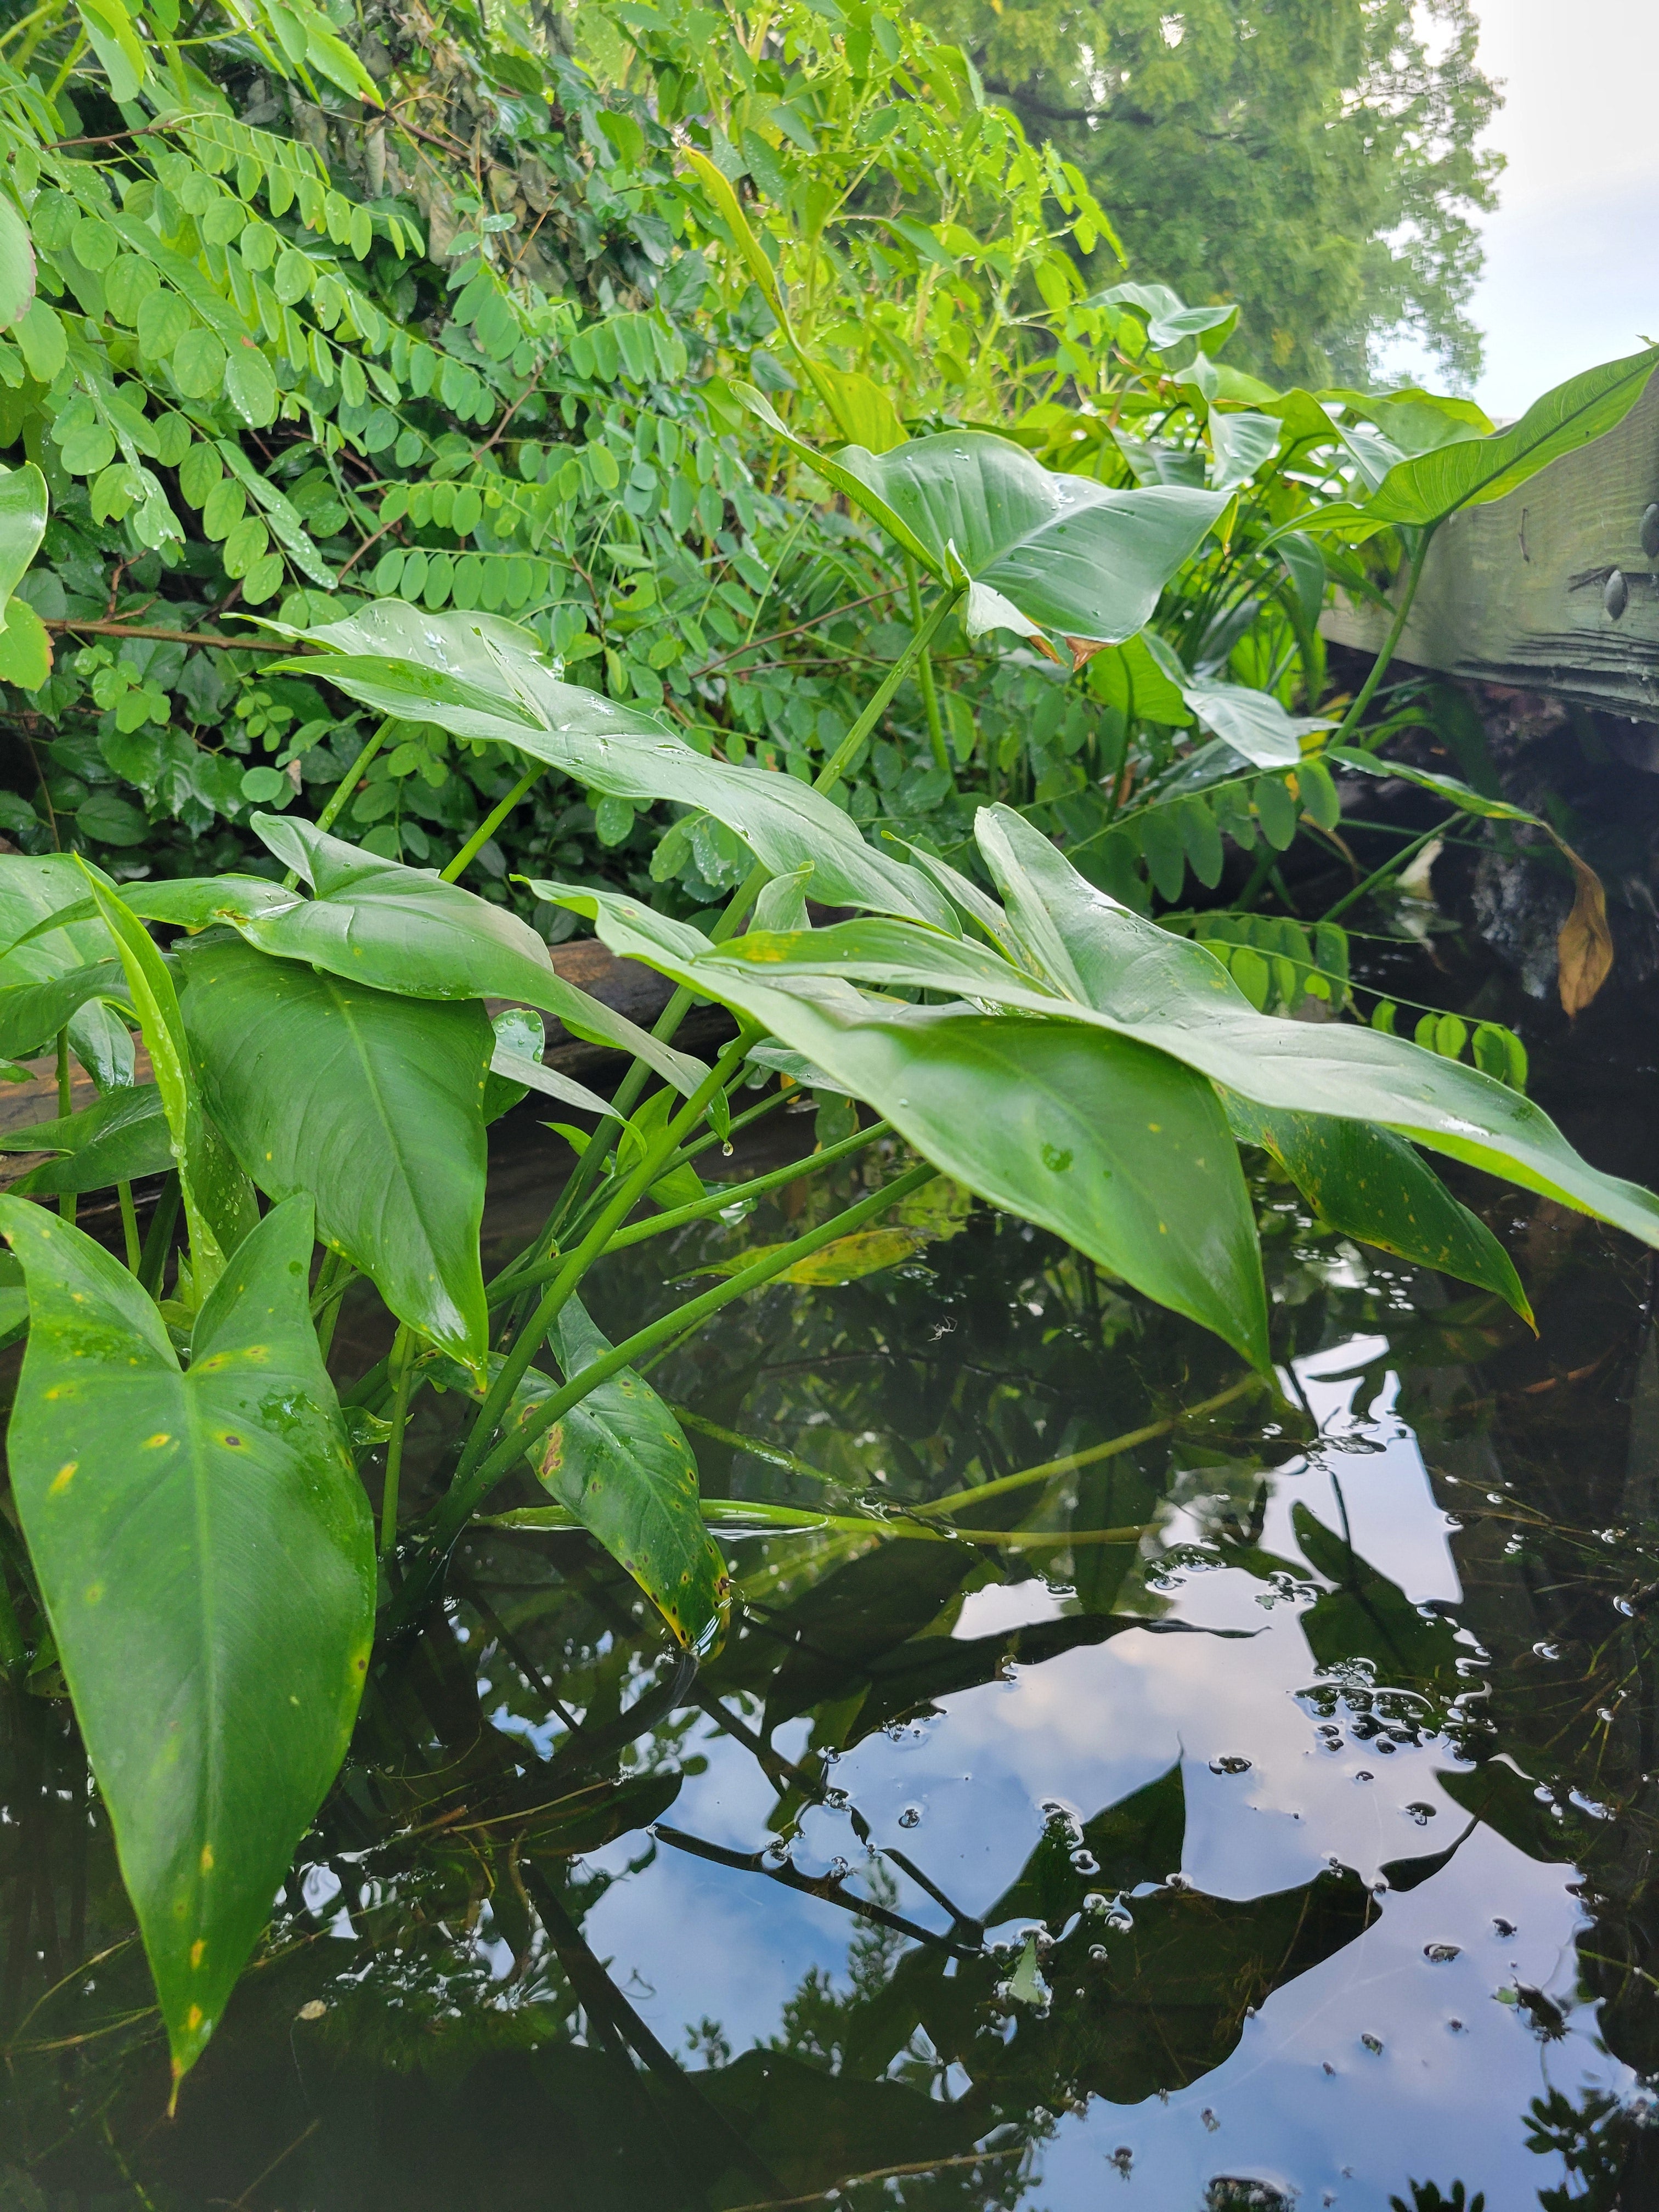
column 188, row 1482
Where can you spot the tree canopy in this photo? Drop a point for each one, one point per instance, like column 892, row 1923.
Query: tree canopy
column 1314, row 159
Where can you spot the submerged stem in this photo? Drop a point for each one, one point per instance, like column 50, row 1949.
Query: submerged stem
column 466, row 1494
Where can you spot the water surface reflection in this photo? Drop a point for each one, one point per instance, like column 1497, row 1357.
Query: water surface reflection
column 1256, row 1813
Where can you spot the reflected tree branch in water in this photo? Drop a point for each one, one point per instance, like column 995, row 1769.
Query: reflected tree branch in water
column 819, row 1885
column 973, row 1931
column 467, row 1587
column 783, row 1773
column 609, row 2010
column 883, row 2174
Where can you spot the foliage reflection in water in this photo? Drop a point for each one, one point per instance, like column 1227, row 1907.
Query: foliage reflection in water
column 1254, row 1812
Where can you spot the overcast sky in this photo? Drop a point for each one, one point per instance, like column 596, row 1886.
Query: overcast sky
column 1573, row 255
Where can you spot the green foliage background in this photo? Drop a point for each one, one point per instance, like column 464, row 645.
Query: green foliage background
column 473, row 345
column 1316, row 160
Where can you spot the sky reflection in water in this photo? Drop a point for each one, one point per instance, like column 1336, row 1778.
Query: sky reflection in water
column 1303, row 2104
column 1312, row 1888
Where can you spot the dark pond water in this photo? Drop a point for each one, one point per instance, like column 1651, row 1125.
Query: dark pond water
column 1261, row 1813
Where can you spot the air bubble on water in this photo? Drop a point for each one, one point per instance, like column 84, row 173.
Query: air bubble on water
column 1099, row 1954
column 838, row 1870
column 1119, row 1921
column 1085, row 1861
column 910, row 1817
column 1230, row 1763
column 1441, row 1954
column 1373, row 2044
column 1503, row 1929
column 1421, row 1813
column 1095, row 1902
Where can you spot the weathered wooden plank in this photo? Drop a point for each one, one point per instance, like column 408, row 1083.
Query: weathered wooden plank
column 1513, row 591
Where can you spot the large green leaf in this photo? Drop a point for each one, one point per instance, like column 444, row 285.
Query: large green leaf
column 1144, row 982
column 619, row 1462
column 112, row 1140
column 34, row 943
column 1119, row 1149
column 23, row 508
column 1429, row 486
column 31, row 1014
column 476, row 678
column 371, row 1103
column 220, row 1207
column 1370, row 1184
column 376, row 922
column 1252, row 723
column 1053, row 552
column 205, row 1556
column 1096, row 962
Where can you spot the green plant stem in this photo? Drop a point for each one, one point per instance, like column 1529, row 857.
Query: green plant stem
column 667, row 1022
column 1110, row 1450
column 525, row 1271
column 924, row 675
column 574, row 1265
column 158, row 1241
column 403, row 1364
column 467, row 1493
column 492, row 823
column 1390, row 868
column 65, row 1095
column 699, row 1209
column 13, row 1650
column 129, row 1224
column 921, row 639
column 348, row 784
column 326, row 1302
column 1363, row 697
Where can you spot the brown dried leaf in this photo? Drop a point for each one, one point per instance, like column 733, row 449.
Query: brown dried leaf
column 1584, row 947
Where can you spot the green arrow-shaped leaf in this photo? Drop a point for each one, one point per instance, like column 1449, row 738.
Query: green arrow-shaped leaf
column 205, row 1555
column 371, row 1103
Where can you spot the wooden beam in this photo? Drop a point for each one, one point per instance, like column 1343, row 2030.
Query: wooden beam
column 1513, row 591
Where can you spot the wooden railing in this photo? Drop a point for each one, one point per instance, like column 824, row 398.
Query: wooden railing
column 1515, row 593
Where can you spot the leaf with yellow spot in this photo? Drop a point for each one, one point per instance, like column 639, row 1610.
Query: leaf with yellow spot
column 620, row 1461
column 1372, row 1184
column 212, row 1606
column 847, row 1260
